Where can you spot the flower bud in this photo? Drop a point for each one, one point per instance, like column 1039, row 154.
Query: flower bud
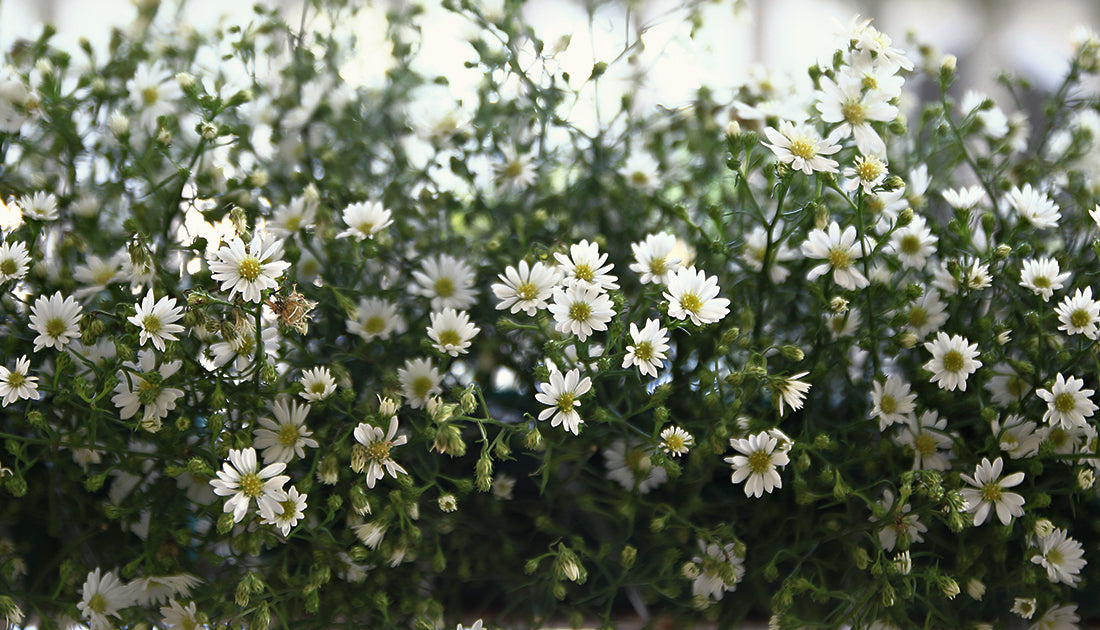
column 448, row 502
column 1043, row 528
column 483, row 473
column 448, row 440
column 629, row 556
column 948, row 586
column 975, row 588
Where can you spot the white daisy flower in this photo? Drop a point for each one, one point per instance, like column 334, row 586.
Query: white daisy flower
column 376, row 318
column 286, row 436
column 451, row 331
column 242, row 480
column 757, row 464
column 377, row 448
column 96, row 273
column 913, row 244
column 869, row 39
column 756, row 248
column 1023, row 606
column 1017, row 437
column 526, row 288
column 803, row 148
column 692, row 295
column 251, row 270
column 238, row 347
column 40, row 205
column 654, row 261
column 891, row 401
column 964, row 198
column 585, row 266
column 419, row 381
column 1042, row 277
column 790, row 391
column 365, row 219
column 989, row 492
column 928, row 439
column 899, row 523
column 299, row 214
column 1067, row 403
column 16, row 385
column 641, row 170
column 844, row 101
column 516, row 171
column 953, row 360
column 561, row 395
column 648, row 350
column 446, row 281
column 56, row 320
column 1006, row 386
column 868, row 172
column 153, row 92
column 103, row 596
column 839, row 250
column 1080, row 314
column 628, row 463
column 317, row 384
column 581, row 309
column 285, row 512
column 718, row 570
column 141, row 386
column 1061, row 556
column 371, row 534
column 159, row 589
column 157, row 320
column 926, row 314
column 14, row 261
column 676, row 442
column 1058, row 618
column 179, row 617
column 1034, row 207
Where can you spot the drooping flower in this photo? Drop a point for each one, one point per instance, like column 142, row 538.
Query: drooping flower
column 561, row 396
column 989, row 492
column 648, row 350
column 242, row 480
column 526, row 288
column 1061, row 556
column 1068, row 404
column 157, row 320
column 249, row 270
column 378, row 450
column 180, row 617
column 1034, row 207
column 839, row 250
column 757, row 463
column 791, row 391
column 1058, row 618
column 691, row 294
column 953, row 360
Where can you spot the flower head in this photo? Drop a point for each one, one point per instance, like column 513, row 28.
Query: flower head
column 157, row 320
column 691, row 294
column 675, row 441
column 953, row 360
column 317, row 384
column 56, row 320
column 989, row 492
column 242, row 480
column 1080, row 314
column 839, row 250
column 451, row 331
column 419, row 381
column 15, row 384
column 1034, row 207
column 142, row 385
column 525, row 288
column 364, row 220
column 103, row 596
column 1061, row 556
column 286, row 436
column 791, row 391
column 249, row 270
column 562, row 395
column 757, row 463
column 654, row 261
column 446, row 281
column 891, row 401
column 376, row 318
column 377, row 450
column 1042, row 276
column 585, row 266
column 802, row 148
column 14, row 261
column 648, row 350
column 628, row 463
column 1068, row 403
column 581, row 309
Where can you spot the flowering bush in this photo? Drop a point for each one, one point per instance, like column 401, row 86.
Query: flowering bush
column 283, row 350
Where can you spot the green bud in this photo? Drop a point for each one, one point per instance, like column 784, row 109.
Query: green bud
column 94, row 482
column 243, row 594
column 483, row 473
column 628, row 556
column 16, row 485
column 36, row 419
column 794, row 353
column 225, row 523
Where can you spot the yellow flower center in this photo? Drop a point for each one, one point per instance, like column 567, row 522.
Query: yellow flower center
column 15, row 379
column 97, row 603
column 803, row 147
column 869, row 169
column 638, row 461
column 643, row 351
column 565, row 402
column 854, row 113
column 691, row 303
column 639, row 178
column 379, row 451
column 658, row 266
column 527, row 291
column 151, row 324
column 839, row 258
column 147, row 391
column 251, row 485
column 1079, row 318
column 888, row 404
column 8, row 267
column 249, row 268
column 1055, row 557
column 918, row 316
column 675, row 443
column 444, row 287
column 55, row 326
column 925, row 444
column 150, row 95
column 449, row 337
column 1041, row 282
column 288, row 435
column 1058, row 437
column 953, row 361
column 421, row 385
column 584, row 272
column 293, row 223
column 760, row 462
column 991, row 492
column 910, row 244
column 366, row 227
column 1064, row 402
column 580, row 312
column 375, row 324
column 1016, row 386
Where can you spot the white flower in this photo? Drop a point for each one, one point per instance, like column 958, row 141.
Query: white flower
column 157, row 320
column 41, row 206
column 516, row 171
column 928, row 440
column 964, row 198
column 1023, row 606
column 629, row 463
column 791, row 391
column 96, row 273
column 378, row 446
column 376, row 318
column 581, row 309
column 757, row 463
column 641, row 171
column 913, row 244
column 692, row 295
column 179, row 617
column 446, row 281
column 103, row 596
column 299, row 214
column 585, row 266
column 371, row 534
column 14, row 261
column 286, row 436
column 1034, row 207
column 868, row 172
column 317, row 384
column 451, row 331
column 1061, row 556
column 953, row 360
column 242, row 480
column 365, row 219
column 249, row 271
column 153, row 92
column 838, row 250
column 676, row 441
column 142, row 386
column 285, row 512
column 526, row 288
column 891, row 401
column 756, row 248
column 648, row 350
column 56, row 320
column 238, row 345
column 561, row 396
column 159, row 589
column 803, row 148
column 419, row 381
column 926, row 314
column 1067, row 403
column 653, row 258
column 844, row 101
column 1042, row 276
column 1079, row 314
column 1017, row 437
column 899, row 522
column 988, row 492
column 719, row 569
column 1058, row 618
column 15, row 384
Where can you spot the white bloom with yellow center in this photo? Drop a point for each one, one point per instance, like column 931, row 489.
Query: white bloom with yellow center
column 1061, row 556
column 317, row 384
column 562, row 395
column 249, row 270
column 446, row 281
column 377, row 450
column 839, row 250
column 914, row 243
column 846, row 102
column 16, row 385
column 585, row 266
column 286, row 436
column 648, row 349
column 525, row 287
column 451, row 331
column 141, row 386
column 1042, row 276
column 1068, row 404
column 180, row 617
column 1034, row 207
column 927, row 437
column 790, row 391
column 757, row 463
column 653, row 258
column 803, row 148
column 693, row 295
column 242, row 480
column 1079, row 314
column 581, row 309
column 157, row 320
column 891, row 401
column 376, row 318
column 867, row 173
column 953, row 360
column 675, row 441
column 419, row 381
column 283, row 510
column 15, row 261
column 103, row 596
column 628, row 463
column 56, row 320
column 365, row 219
column 989, row 492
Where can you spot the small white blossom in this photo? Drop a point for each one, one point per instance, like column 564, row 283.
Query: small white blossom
column 16, row 385
column 249, row 270
column 419, row 381
column 364, row 220
column 1068, row 404
column 378, row 445
column 446, row 281
column 242, row 480
column 157, row 320
column 56, row 321
column 1079, row 314
column 1034, row 207
column 1061, row 556
column 585, row 266
column 654, row 261
column 581, row 309
column 317, row 384
column 526, row 288
column 953, row 360
column 451, row 331
column 648, row 349
column 757, row 463
column 691, row 294
column 1042, row 277
column 561, row 396
column 839, row 250
column 989, row 492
